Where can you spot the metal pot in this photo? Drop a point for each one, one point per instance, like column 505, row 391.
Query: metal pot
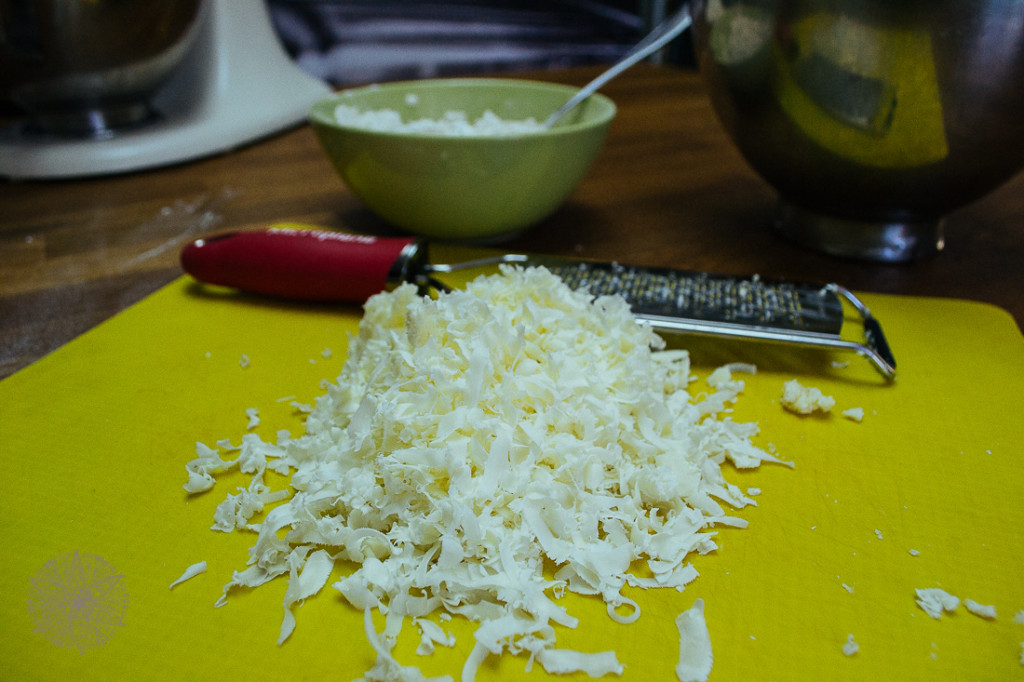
column 871, row 118
column 87, row 67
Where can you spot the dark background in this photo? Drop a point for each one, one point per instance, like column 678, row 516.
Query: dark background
column 347, row 42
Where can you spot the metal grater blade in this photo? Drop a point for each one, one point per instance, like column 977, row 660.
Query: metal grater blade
column 755, row 301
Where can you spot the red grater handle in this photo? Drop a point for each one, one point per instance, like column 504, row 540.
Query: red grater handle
column 296, row 263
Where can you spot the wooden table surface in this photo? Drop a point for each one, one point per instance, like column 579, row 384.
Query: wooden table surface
column 668, row 189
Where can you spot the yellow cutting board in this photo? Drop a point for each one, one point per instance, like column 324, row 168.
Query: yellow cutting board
column 94, row 441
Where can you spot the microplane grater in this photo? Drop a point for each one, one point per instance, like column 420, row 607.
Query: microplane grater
column 296, row 262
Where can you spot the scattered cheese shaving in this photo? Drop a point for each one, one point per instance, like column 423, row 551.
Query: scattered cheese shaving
column 473, row 439
column 981, row 610
column 430, row 634
column 565, row 661
column 850, row 647
column 253, row 414
column 805, row 400
column 243, row 361
column 913, row 552
column 854, row 413
column 315, row 570
column 743, row 367
column 190, row 572
column 1019, row 618
column 878, row 534
column 935, row 600
column 695, row 656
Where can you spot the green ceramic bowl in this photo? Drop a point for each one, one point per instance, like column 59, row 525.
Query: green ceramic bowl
column 466, row 188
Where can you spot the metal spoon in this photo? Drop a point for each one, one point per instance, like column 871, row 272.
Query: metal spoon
column 662, row 34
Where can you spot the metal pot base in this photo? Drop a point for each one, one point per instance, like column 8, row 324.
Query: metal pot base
column 876, row 241
column 91, row 122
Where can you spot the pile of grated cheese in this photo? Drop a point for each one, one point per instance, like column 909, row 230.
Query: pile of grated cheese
column 476, row 438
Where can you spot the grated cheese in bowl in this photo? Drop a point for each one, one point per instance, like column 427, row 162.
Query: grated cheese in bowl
column 471, row 440
column 452, row 123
